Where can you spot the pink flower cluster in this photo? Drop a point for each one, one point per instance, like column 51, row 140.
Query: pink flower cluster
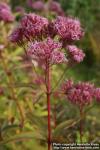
column 58, row 57
column 81, row 93
column 40, row 35
column 46, row 51
column 17, row 35
column 38, row 5
column 67, row 86
column 30, row 26
column 75, row 54
column 54, row 6
column 20, row 9
column 68, row 28
column 5, row 13
column 29, row 3
column 33, row 25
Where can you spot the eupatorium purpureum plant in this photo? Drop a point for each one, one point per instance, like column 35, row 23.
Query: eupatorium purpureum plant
column 49, row 43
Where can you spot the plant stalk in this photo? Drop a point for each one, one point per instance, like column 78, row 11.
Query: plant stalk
column 48, row 103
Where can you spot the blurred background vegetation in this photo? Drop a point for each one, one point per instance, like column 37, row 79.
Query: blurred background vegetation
column 35, row 114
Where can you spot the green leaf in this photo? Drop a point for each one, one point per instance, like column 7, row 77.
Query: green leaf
column 7, row 127
column 22, row 137
column 66, row 124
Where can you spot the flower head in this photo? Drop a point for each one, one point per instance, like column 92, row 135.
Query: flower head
column 68, row 85
column 80, row 94
column 5, row 13
column 46, row 50
column 20, row 9
column 39, row 34
column 68, row 28
column 4, row 6
column 33, row 25
column 30, row 26
column 58, row 57
column 38, row 5
column 50, row 31
column 75, row 54
column 56, row 7
column 17, row 35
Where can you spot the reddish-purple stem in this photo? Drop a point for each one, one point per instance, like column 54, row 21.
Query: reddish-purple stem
column 48, row 103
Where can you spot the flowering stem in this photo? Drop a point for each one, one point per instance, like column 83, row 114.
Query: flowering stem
column 48, row 103
column 81, row 125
